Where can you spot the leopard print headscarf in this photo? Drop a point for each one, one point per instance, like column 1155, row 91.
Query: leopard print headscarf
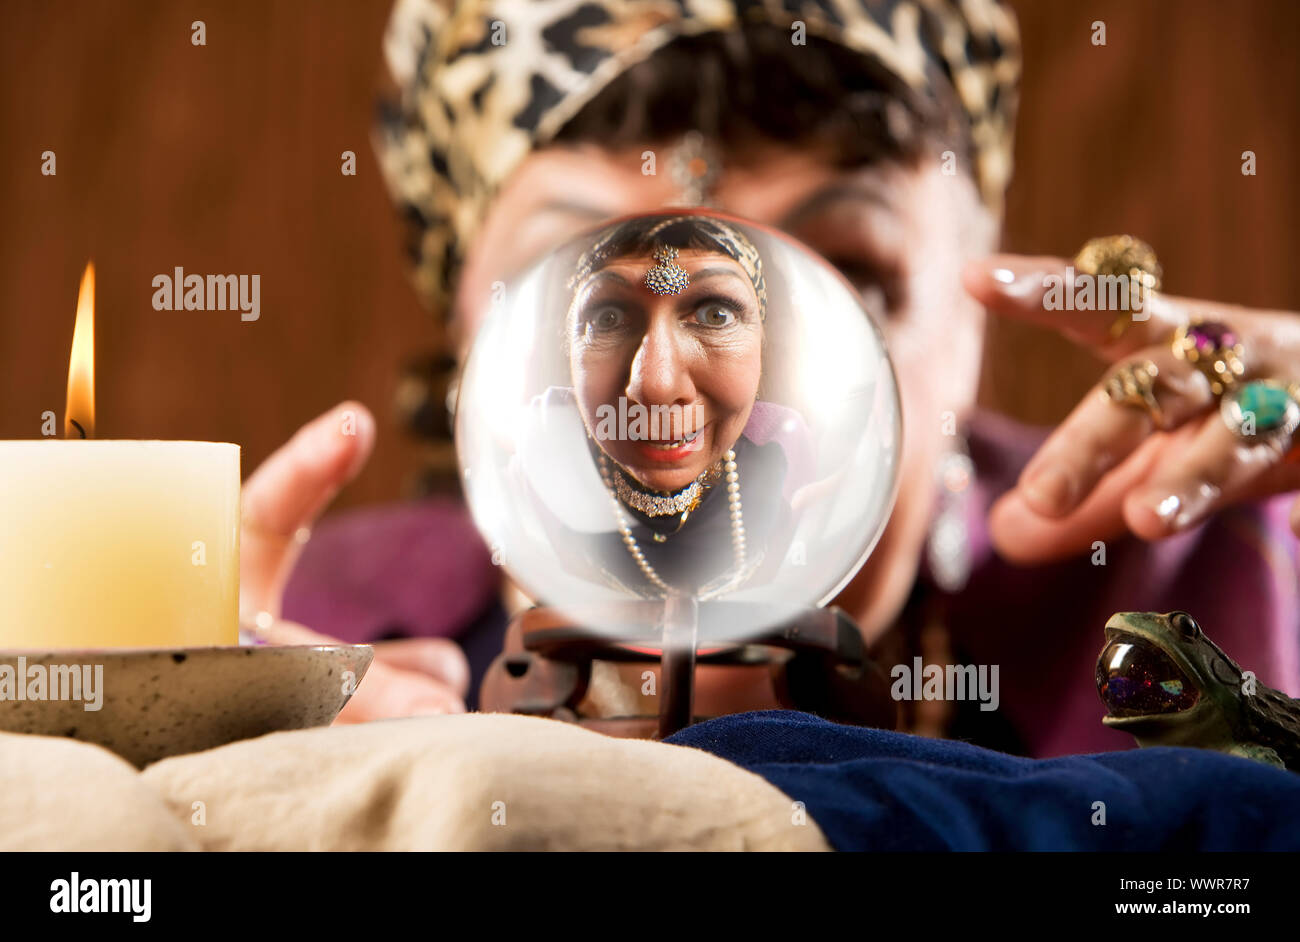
column 483, row 82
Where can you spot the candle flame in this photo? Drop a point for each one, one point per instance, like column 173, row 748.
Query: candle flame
column 79, row 417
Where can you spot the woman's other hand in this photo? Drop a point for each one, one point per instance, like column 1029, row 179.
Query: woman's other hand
column 1108, row 468
column 281, row 501
column 412, row 677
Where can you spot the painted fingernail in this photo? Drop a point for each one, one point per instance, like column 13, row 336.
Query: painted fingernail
column 1166, row 508
column 1009, row 270
column 436, row 707
column 1178, row 511
column 1049, row 490
column 428, row 708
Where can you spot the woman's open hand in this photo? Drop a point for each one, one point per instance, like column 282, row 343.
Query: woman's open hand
column 1108, row 468
column 281, row 500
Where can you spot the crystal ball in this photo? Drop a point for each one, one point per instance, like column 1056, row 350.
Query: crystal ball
column 679, row 404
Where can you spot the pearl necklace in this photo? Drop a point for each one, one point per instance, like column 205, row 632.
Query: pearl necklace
column 732, row 477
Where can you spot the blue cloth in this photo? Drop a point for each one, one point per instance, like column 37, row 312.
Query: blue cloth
column 870, row 789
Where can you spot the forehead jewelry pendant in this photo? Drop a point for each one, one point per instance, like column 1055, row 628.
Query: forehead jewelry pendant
column 695, row 167
column 666, row 277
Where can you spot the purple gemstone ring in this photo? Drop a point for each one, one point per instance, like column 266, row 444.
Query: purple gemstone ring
column 1214, row 349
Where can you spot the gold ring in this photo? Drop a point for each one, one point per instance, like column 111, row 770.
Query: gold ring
column 1134, row 384
column 1130, row 275
column 1214, row 349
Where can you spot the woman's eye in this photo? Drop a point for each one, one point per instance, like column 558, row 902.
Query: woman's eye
column 714, row 315
column 881, row 289
column 873, row 299
column 605, row 319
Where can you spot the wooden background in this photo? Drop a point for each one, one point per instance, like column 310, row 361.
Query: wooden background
column 225, row 159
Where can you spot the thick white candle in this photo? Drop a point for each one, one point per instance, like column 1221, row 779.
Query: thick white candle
column 118, row 543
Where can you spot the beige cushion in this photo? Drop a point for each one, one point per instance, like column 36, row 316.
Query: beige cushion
column 478, row 781
column 59, row 794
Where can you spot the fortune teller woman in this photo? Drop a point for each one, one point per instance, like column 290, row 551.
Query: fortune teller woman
column 880, row 135
column 665, row 334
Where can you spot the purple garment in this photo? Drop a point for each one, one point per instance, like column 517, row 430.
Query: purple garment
column 415, row 569
column 772, row 422
column 1237, row 574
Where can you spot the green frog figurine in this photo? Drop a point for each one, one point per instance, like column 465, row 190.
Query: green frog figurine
column 1166, row 683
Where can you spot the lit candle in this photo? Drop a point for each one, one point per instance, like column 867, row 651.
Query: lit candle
column 116, row 543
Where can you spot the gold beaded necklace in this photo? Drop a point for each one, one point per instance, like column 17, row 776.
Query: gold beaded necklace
column 683, row 502
column 731, row 475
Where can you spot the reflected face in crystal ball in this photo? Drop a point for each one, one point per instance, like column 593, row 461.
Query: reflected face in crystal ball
column 666, row 382
column 733, row 338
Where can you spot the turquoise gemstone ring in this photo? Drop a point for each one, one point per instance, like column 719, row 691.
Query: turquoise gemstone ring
column 1261, row 410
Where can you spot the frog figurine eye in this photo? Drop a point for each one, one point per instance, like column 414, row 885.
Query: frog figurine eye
column 1136, row 678
column 1185, row 625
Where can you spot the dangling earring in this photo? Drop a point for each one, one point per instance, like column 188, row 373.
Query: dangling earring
column 425, row 402
column 948, row 545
